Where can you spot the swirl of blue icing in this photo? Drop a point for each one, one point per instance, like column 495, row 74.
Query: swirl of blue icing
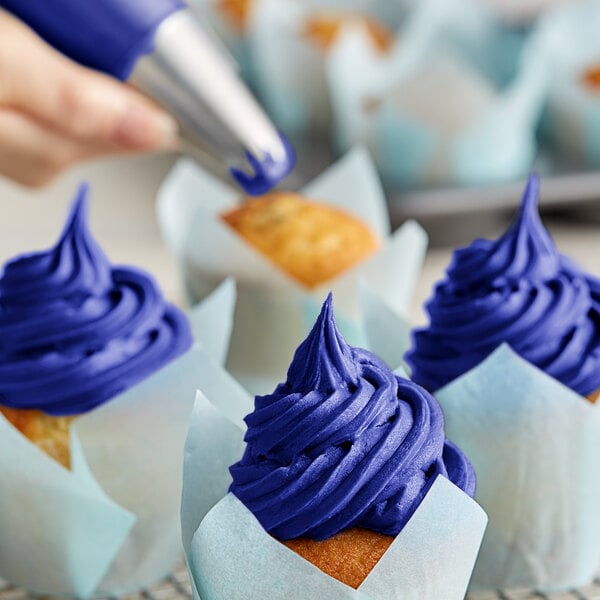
column 342, row 443
column 76, row 331
column 517, row 290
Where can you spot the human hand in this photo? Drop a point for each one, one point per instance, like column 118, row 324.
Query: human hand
column 54, row 112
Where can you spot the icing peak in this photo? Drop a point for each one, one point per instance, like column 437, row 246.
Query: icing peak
column 517, row 290
column 342, row 443
column 75, row 330
column 323, row 361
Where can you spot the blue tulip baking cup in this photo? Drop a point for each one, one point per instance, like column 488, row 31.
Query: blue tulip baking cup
column 230, row 555
column 535, row 447
column 110, row 524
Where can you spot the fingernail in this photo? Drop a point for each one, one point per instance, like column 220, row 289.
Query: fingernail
column 142, row 128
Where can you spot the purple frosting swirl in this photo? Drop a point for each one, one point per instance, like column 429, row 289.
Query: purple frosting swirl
column 75, row 331
column 342, row 443
column 517, row 290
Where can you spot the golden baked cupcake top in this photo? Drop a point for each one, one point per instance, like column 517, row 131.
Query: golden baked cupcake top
column 313, row 243
column 323, row 28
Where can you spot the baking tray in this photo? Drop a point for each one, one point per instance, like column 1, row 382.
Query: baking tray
column 177, row 587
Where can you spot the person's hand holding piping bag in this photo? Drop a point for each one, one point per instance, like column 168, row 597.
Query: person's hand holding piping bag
column 54, row 112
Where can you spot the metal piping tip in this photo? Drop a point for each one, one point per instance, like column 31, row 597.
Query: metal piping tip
column 266, row 173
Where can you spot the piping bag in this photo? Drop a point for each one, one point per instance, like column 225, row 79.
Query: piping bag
column 162, row 49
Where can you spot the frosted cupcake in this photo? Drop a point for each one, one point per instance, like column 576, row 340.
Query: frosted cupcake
column 516, row 290
column 286, row 251
column 339, row 461
column 97, row 370
column 512, row 349
column 78, row 331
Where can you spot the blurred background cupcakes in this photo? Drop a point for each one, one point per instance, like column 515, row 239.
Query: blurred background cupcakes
column 290, row 41
column 347, row 463
column 95, row 364
column 492, row 83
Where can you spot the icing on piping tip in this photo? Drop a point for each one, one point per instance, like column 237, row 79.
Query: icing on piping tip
column 266, row 174
column 342, row 443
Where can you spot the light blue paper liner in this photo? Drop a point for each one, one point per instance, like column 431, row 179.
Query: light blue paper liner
column 413, row 149
column 270, row 317
column 535, row 446
column 230, row 556
column 110, row 524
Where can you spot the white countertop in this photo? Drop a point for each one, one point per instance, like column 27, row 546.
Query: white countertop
column 123, row 221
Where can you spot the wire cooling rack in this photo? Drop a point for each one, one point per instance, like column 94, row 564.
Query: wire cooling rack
column 177, row 587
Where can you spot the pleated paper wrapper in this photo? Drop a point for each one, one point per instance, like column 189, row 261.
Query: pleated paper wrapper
column 535, row 446
column 110, row 525
column 273, row 312
column 492, row 80
column 230, row 555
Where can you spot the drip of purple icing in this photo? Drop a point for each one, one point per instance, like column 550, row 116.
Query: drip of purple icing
column 517, row 290
column 342, row 443
column 76, row 331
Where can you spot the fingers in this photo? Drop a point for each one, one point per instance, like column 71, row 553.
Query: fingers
column 32, row 154
column 74, row 101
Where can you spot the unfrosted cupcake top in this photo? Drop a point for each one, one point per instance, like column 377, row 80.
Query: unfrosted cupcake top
column 75, row 330
column 517, row 290
column 342, row 443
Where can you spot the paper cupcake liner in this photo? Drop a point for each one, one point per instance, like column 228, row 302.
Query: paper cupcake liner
column 271, row 307
column 572, row 120
column 110, row 524
column 535, row 446
column 485, row 130
column 289, row 68
column 230, row 555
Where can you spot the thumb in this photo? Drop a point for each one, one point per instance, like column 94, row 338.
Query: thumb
column 37, row 80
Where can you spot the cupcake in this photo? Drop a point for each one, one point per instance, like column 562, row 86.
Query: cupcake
column 96, row 376
column 339, row 461
column 286, row 251
column 77, row 332
column 512, row 352
column 311, row 242
column 323, row 29
column 517, row 290
column 273, row 305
